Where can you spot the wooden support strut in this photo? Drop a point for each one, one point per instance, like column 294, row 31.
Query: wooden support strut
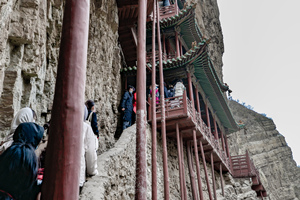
column 180, row 161
column 197, row 165
column 163, row 114
column 192, row 173
column 222, row 181
column 213, row 174
column 205, row 170
column 153, row 111
column 183, row 173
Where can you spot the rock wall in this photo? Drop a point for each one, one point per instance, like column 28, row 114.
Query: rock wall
column 29, row 52
column 269, row 151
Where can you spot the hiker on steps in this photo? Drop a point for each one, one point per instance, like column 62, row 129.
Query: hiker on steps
column 92, row 117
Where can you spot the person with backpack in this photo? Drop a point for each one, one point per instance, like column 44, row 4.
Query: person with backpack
column 127, row 107
column 92, row 117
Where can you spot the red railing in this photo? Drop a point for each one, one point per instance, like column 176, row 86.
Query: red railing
column 181, row 105
column 243, row 166
column 164, row 56
column 168, row 11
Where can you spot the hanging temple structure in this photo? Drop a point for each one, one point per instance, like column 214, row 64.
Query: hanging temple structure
column 182, row 147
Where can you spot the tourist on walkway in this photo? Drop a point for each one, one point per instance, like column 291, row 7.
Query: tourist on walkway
column 157, row 96
column 89, row 147
column 24, row 115
column 92, row 117
column 127, row 107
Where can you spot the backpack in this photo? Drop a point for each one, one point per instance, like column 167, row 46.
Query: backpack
column 89, row 119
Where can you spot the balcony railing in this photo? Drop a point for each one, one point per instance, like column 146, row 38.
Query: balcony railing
column 168, row 11
column 164, row 56
column 181, row 106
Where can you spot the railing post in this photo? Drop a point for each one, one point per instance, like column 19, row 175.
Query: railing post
column 184, row 102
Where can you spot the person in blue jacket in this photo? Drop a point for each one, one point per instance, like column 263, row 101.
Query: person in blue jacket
column 127, row 107
column 92, row 117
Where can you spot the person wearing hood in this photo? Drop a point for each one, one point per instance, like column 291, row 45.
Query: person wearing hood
column 24, row 115
column 89, row 147
column 19, row 165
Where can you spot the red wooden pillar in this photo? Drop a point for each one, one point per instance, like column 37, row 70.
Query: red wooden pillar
column 176, row 7
column 222, row 181
column 213, row 174
column 163, row 114
column 197, row 165
column 180, row 161
column 190, row 84
column 198, row 101
column 192, row 173
column 181, row 50
column 164, row 47
column 183, row 173
column 141, row 143
column 61, row 180
column 177, row 44
column 205, row 170
column 227, row 148
column 216, row 134
column 223, row 142
column 153, row 103
column 207, row 117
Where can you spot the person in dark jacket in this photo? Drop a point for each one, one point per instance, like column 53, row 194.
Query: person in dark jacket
column 127, row 107
column 92, row 117
column 19, row 165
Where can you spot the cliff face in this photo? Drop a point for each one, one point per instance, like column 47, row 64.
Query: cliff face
column 269, row 151
column 29, row 49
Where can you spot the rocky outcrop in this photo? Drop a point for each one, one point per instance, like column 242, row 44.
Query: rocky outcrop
column 269, row 151
column 29, row 52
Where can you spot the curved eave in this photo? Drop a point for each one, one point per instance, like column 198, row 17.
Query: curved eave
column 174, row 20
column 180, row 61
column 208, row 81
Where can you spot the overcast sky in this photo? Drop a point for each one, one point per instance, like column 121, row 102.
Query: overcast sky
column 262, row 60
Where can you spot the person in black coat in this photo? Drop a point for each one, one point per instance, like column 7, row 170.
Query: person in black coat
column 127, row 107
column 92, row 117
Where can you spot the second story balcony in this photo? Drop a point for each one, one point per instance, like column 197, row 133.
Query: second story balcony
column 179, row 110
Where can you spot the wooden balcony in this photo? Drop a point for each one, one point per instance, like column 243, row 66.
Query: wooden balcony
column 180, row 110
column 243, row 167
column 168, row 11
column 164, row 56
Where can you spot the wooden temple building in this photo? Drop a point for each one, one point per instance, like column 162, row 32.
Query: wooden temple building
column 200, row 119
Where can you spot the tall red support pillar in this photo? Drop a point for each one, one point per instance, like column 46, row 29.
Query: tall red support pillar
column 222, row 181
column 197, row 165
column 205, row 170
column 180, row 161
column 141, row 143
column 213, row 175
column 192, row 173
column 153, row 125
column 163, row 114
column 227, row 147
column 61, row 180
column 164, row 47
column 183, row 173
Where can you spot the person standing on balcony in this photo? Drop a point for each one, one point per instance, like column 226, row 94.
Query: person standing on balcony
column 166, row 2
column 127, row 107
column 157, row 96
column 179, row 88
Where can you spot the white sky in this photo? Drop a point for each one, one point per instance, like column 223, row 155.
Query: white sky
column 262, row 60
